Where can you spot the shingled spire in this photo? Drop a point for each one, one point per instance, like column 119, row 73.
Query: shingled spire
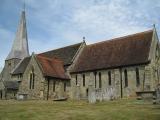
column 20, row 45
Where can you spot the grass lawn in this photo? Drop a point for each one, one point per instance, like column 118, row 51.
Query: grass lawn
column 79, row 110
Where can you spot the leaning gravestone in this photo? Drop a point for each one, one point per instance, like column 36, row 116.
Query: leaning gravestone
column 91, row 94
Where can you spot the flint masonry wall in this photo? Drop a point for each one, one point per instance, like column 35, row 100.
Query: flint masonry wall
column 9, row 66
column 127, row 91
column 38, row 91
column 5, row 75
column 56, row 89
column 41, row 89
column 71, row 87
column 152, row 71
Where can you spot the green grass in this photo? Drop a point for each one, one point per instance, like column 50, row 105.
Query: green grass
column 79, row 110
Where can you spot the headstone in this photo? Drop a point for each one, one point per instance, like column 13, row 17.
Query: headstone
column 106, row 94
column 21, row 96
column 99, row 95
column 91, row 94
column 78, row 92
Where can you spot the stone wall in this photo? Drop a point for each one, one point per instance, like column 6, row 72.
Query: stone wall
column 152, row 70
column 58, row 91
column 74, row 60
column 41, row 89
column 5, row 75
column 10, row 94
column 24, row 88
column 101, row 94
column 8, row 68
column 116, row 75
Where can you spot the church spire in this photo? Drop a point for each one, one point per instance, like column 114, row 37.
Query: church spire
column 20, row 45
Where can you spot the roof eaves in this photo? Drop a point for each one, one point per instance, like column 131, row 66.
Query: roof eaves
column 114, row 67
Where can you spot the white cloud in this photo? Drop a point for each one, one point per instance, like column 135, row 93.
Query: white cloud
column 108, row 19
column 56, row 23
column 95, row 19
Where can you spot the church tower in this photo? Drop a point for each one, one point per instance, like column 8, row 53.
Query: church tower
column 18, row 51
column 20, row 46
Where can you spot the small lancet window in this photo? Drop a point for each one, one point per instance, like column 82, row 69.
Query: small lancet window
column 54, row 86
column 84, row 80
column 65, row 85
column 76, row 80
column 137, row 77
column 95, row 73
column 32, row 79
column 100, row 81
column 109, row 78
column 126, row 78
column 30, row 84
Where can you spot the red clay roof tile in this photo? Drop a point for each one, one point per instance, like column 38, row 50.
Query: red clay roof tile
column 129, row 50
column 52, row 67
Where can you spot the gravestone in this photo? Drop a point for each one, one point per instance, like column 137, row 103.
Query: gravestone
column 91, row 94
column 99, row 95
column 78, row 92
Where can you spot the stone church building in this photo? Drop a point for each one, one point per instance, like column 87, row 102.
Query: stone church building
column 126, row 65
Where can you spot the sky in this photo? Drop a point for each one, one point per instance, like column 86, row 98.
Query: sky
column 57, row 23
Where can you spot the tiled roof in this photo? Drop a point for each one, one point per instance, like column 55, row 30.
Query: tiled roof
column 21, row 66
column 66, row 54
column 129, row 50
column 52, row 67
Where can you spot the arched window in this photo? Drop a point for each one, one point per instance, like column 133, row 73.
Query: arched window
column 109, row 78
column 76, row 80
column 30, row 83
column 32, row 79
column 65, row 85
column 100, row 81
column 126, row 78
column 137, row 77
column 54, row 86
column 157, row 51
column 84, row 80
column 95, row 73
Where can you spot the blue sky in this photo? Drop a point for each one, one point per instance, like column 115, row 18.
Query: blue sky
column 56, row 23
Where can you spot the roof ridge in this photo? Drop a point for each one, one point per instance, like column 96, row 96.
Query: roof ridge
column 61, row 48
column 120, row 38
column 55, row 59
column 41, row 56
